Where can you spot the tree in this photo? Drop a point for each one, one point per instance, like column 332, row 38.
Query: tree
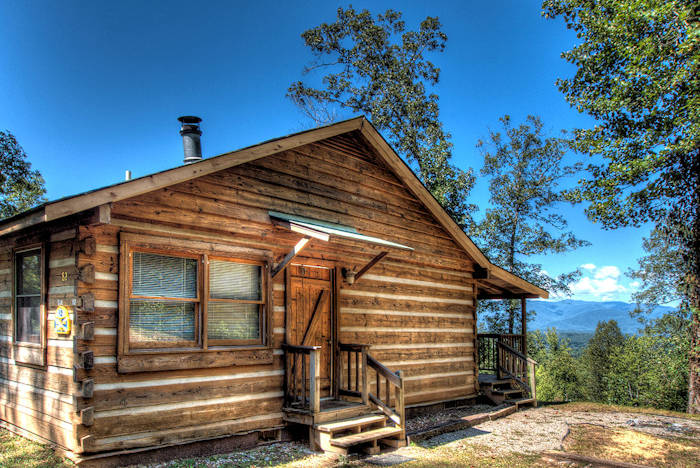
column 377, row 67
column 597, row 359
column 525, row 169
column 659, row 272
column 637, row 67
column 20, row 187
column 558, row 373
column 651, row 369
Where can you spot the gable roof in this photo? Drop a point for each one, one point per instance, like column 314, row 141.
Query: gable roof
column 77, row 203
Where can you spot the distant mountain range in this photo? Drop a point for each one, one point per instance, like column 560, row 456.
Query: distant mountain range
column 582, row 316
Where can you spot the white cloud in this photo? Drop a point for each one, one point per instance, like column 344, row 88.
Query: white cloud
column 635, row 284
column 610, row 271
column 600, row 284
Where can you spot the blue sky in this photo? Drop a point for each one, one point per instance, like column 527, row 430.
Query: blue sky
column 91, row 89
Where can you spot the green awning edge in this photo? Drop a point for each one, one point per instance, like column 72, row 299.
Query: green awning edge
column 334, row 229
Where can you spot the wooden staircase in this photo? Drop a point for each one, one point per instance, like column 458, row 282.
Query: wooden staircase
column 506, row 391
column 363, row 431
column 356, row 418
column 514, row 379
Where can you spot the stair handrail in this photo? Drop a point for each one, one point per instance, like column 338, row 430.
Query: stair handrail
column 392, row 380
column 296, row 395
column 360, row 351
column 395, row 380
column 517, row 366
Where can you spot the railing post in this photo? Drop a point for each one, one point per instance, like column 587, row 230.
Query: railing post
column 365, row 388
column 533, row 382
column 315, row 381
column 400, row 405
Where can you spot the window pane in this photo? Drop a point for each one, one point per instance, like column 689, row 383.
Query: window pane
column 230, row 321
column 163, row 276
column 28, row 319
column 230, row 280
column 29, row 273
column 161, row 321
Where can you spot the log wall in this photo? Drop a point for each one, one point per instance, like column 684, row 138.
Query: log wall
column 415, row 308
column 39, row 400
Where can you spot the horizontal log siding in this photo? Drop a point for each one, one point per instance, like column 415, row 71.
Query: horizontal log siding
column 39, row 399
column 428, row 292
column 152, row 408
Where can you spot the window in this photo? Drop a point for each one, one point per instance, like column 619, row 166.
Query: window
column 235, row 305
column 28, row 297
column 190, row 300
column 164, row 301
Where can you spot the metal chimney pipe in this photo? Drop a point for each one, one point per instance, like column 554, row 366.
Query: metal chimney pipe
column 191, row 134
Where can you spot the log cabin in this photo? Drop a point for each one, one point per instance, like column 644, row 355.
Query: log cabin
column 310, row 281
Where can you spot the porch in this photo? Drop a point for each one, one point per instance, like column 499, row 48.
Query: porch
column 506, row 373
column 365, row 406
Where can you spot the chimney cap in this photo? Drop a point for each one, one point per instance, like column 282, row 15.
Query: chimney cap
column 189, row 119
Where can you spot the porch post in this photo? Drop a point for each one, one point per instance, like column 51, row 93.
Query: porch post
column 523, row 328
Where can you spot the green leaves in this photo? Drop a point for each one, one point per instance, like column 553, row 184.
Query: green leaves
column 375, row 66
column 638, row 68
column 638, row 74
column 524, row 168
column 20, row 187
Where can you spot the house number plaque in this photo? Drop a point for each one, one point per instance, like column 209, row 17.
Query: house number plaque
column 61, row 321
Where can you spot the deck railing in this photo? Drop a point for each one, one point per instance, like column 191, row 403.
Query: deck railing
column 515, row 365
column 388, row 393
column 488, row 350
column 355, row 384
column 303, row 383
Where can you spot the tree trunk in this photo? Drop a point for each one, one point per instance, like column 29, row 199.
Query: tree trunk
column 694, row 365
column 511, row 265
column 693, row 291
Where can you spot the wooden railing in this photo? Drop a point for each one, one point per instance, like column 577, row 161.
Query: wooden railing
column 515, row 365
column 488, row 351
column 389, row 386
column 355, row 384
column 303, row 385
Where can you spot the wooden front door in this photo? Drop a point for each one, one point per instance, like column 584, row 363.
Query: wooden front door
column 309, row 314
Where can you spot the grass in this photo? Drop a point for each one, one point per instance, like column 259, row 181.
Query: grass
column 618, row 444
column 16, row 451
column 589, row 407
column 626, row 445
column 462, row 455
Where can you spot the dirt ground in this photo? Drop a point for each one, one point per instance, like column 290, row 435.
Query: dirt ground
column 519, row 440
column 524, row 439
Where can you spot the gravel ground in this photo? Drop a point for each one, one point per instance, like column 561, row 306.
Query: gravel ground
column 529, row 431
column 539, row 429
column 289, row 454
column 426, row 421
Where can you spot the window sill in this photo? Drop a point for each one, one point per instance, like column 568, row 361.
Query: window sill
column 161, row 361
column 29, row 353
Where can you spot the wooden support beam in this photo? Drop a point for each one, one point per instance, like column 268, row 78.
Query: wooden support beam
column 480, row 273
column 494, row 296
column 87, row 331
column 87, row 388
column 369, row 265
column 523, row 310
column 87, row 416
column 290, row 256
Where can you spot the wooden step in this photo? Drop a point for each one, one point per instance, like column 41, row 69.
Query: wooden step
column 362, row 437
column 495, row 382
column 510, row 391
column 359, row 421
column 518, row 402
